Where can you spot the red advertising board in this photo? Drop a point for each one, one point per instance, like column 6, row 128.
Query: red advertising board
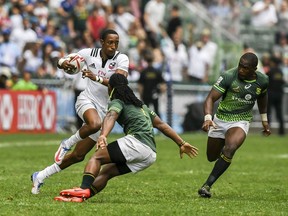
column 27, row 111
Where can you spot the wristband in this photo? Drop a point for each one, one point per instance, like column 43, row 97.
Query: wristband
column 208, row 117
column 99, row 79
column 264, row 117
column 182, row 143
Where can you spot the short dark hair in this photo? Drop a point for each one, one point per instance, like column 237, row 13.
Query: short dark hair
column 107, row 32
column 251, row 58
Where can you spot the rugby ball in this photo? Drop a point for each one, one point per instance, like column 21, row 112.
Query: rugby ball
column 77, row 60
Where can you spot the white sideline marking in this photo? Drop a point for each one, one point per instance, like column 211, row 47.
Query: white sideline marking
column 282, row 156
column 29, row 143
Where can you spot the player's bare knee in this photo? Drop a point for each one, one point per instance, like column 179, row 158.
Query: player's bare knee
column 94, row 126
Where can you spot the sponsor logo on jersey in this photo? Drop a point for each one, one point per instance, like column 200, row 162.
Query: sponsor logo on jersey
column 246, row 101
column 248, row 97
column 247, row 86
column 101, row 73
column 112, row 65
column 236, row 89
column 92, row 66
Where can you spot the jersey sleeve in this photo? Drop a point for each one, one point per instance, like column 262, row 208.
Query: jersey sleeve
column 224, row 81
column 123, row 62
column 115, row 105
column 151, row 113
column 220, row 84
column 85, row 53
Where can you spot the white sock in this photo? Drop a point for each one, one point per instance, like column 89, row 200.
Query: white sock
column 48, row 171
column 71, row 141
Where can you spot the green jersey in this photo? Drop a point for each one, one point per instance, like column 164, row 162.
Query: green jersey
column 135, row 121
column 25, row 86
column 239, row 96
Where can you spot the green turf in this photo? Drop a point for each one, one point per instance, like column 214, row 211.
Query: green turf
column 255, row 184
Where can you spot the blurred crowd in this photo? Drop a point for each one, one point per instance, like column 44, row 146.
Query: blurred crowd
column 36, row 33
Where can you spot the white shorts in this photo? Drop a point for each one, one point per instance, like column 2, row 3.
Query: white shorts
column 138, row 155
column 82, row 104
column 223, row 126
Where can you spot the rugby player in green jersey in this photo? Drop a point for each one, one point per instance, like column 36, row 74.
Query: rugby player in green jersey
column 239, row 88
column 134, row 152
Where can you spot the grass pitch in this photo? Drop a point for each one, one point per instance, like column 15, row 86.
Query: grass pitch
column 255, row 184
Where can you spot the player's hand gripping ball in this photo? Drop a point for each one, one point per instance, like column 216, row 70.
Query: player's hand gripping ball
column 77, row 60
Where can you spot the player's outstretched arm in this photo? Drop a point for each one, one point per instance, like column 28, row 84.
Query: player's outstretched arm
column 107, row 126
column 184, row 146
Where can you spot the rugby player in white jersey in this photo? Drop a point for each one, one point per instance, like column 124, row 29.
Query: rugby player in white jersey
column 91, row 104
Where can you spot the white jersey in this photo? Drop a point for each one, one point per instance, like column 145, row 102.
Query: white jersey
column 95, row 91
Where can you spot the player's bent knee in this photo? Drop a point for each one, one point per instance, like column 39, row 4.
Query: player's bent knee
column 94, row 125
column 78, row 157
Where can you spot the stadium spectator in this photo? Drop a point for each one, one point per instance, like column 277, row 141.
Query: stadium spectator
column 159, row 58
column 31, row 61
column 24, row 35
column 134, row 152
column 135, row 8
column 91, row 103
column 41, row 11
column 209, row 47
column 151, row 83
column 265, row 62
column 280, row 48
column 48, row 68
column 153, row 16
column 5, row 75
column 174, row 21
column 136, row 32
column 25, row 83
column 276, row 92
column 78, row 18
column 13, row 80
column 11, row 16
column 136, row 59
column 283, row 17
column 176, row 56
column 226, row 13
column 64, row 14
column 198, row 67
column 122, row 21
column 96, row 23
column 51, row 35
column 264, row 14
column 242, row 87
column 9, row 52
column 220, row 11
